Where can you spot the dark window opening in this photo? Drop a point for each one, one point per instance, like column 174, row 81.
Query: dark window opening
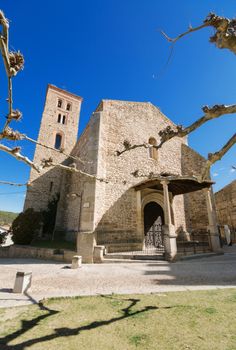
column 59, row 118
column 64, row 119
column 68, row 106
column 58, row 141
column 59, row 103
column 51, row 186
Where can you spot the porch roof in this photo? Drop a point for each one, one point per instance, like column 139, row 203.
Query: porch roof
column 177, row 184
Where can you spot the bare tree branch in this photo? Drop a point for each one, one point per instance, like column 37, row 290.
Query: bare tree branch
column 15, row 152
column 10, row 134
column 225, row 32
column 14, row 135
column 210, row 113
column 214, row 157
column 185, row 33
column 13, row 62
column 14, row 183
column 53, row 149
column 47, row 163
column 169, row 132
column 129, row 147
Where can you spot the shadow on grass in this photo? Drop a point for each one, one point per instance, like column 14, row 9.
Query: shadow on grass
column 62, row 332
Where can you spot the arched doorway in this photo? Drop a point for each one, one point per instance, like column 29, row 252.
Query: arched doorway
column 153, row 221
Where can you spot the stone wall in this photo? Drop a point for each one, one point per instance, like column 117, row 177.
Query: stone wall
column 77, row 203
column 118, row 226
column 194, row 202
column 19, row 251
column 225, row 200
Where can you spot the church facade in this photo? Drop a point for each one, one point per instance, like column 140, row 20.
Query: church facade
column 125, row 202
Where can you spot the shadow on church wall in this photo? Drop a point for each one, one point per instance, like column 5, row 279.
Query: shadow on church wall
column 194, row 202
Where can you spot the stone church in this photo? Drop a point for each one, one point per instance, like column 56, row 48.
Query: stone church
column 143, row 198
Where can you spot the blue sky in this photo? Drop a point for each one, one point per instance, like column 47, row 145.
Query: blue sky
column 113, row 49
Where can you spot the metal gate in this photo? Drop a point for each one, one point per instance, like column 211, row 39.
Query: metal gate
column 153, row 221
column 153, row 237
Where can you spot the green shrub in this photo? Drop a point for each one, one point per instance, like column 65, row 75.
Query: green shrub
column 26, row 226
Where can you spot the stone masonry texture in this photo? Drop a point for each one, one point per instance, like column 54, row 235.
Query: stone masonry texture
column 225, row 200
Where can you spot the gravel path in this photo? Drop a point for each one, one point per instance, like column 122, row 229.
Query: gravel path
column 52, row 279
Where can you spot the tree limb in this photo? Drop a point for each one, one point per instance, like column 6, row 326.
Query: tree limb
column 178, row 131
column 214, row 157
column 14, row 183
column 210, row 113
column 14, row 135
column 15, row 152
column 129, row 147
column 53, row 149
column 47, row 163
column 225, row 32
column 13, row 61
column 185, row 33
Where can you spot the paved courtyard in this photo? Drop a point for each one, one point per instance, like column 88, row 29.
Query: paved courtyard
column 52, row 279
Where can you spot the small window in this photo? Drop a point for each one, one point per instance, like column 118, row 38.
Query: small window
column 59, row 118
column 152, row 151
column 51, row 186
column 68, row 106
column 64, row 119
column 59, row 103
column 58, row 141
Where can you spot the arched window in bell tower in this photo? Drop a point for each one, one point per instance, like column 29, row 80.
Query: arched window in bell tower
column 58, row 141
column 68, row 106
column 59, row 103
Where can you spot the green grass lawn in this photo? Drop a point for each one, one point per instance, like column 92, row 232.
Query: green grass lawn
column 187, row 320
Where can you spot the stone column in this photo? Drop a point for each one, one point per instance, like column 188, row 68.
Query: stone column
column 168, row 229
column 212, row 227
column 139, row 219
column 167, row 211
column 85, row 245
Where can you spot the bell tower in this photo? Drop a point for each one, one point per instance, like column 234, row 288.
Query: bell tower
column 58, row 130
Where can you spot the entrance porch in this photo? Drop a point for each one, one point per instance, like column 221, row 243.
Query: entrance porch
column 156, row 221
column 162, row 191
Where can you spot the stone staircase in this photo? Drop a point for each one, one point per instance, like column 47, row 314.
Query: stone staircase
column 132, row 257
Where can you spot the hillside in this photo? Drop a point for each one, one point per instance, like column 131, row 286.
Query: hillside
column 6, row 217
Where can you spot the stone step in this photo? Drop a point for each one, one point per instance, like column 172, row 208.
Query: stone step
column 128, row 261
column 191, row 251
column 134, row 257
